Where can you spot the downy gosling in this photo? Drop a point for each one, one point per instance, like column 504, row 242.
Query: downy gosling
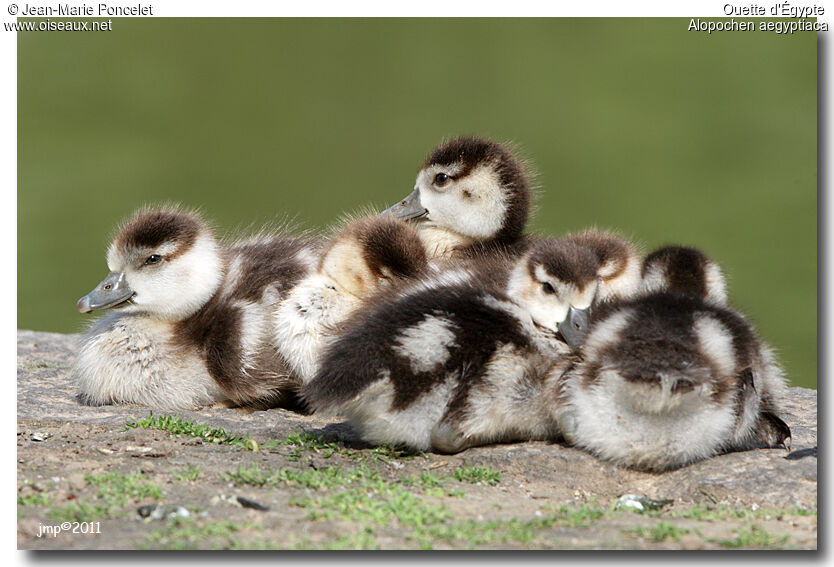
column 471, row 196
column 674, row 376
column 368, row 255
column 190, row 322
column 458, row 360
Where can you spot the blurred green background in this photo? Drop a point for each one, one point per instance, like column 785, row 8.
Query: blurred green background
column 668, row 135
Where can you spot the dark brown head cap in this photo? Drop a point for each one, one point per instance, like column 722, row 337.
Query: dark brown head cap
column 685, row 271
column 390, row 246
column 470, row 152
column 565, row 260
column 611, row 251
column 150, row 228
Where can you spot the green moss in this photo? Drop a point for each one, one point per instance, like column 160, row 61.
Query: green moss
column 302, row 441
column 116, row 489
column 469, row 533
column 33, row 499
column 79, row 511
column 659, row 532
column 307, row 478
column 187, row 533
column 753, row 536
column 433, row 484
column 357, row 541
column 477, row 475
column 186, row 474
column 177, row 426
column 719, row 513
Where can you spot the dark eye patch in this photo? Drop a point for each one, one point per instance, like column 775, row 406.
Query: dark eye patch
column 441, row 179
column 152, row 259
column 547, row 288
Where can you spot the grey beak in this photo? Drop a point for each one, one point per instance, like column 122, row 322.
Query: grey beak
column 574, row 328
column 409, row 208
column 112, row 291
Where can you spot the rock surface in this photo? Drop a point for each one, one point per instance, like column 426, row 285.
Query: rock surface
column 65, row 450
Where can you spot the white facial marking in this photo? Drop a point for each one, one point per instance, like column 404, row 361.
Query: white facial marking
column 426, row 345
column 173, row 289
column 474, row 206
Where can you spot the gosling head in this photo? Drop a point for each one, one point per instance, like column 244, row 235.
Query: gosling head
column 373, row 252
column 685, row 271
column 472, row 189
column 618, row 260
column 556, row 282
column 163, row 262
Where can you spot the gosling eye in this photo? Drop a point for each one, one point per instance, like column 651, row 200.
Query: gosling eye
column 441, row 179
column 153, row 259
column 547, row 288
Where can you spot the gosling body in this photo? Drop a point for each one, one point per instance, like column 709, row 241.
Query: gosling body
column 673, row 376
column 191, row 320
column 453, row 361
column 367, row 256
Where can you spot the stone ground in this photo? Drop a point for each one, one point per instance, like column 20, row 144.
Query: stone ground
column 279, row 480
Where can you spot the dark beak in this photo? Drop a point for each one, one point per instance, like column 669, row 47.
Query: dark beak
column 409, row 208
column 574, row 329
column 112, row 291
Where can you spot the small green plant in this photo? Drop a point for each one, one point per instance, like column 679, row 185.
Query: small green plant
column 33, row 499
column 661, row 531
column 701, row 512
column 187, row 474
column 433, row 484
column 117, row 489
column 187, row 533
column 177, row 426
column 753, row 536
column 475, row 475
column 383, row 452
column 78, row 511
column 579, row 517
column 306, row 478
column 302, row 440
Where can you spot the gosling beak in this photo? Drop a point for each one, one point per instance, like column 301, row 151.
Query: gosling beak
column 409, row 208
column 112, row 291
column 574, row 328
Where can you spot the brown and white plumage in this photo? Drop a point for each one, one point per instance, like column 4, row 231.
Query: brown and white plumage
column 673, row 376
column 191, row 320
column 457, row 360
column 366, row 256
column 471, row 196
